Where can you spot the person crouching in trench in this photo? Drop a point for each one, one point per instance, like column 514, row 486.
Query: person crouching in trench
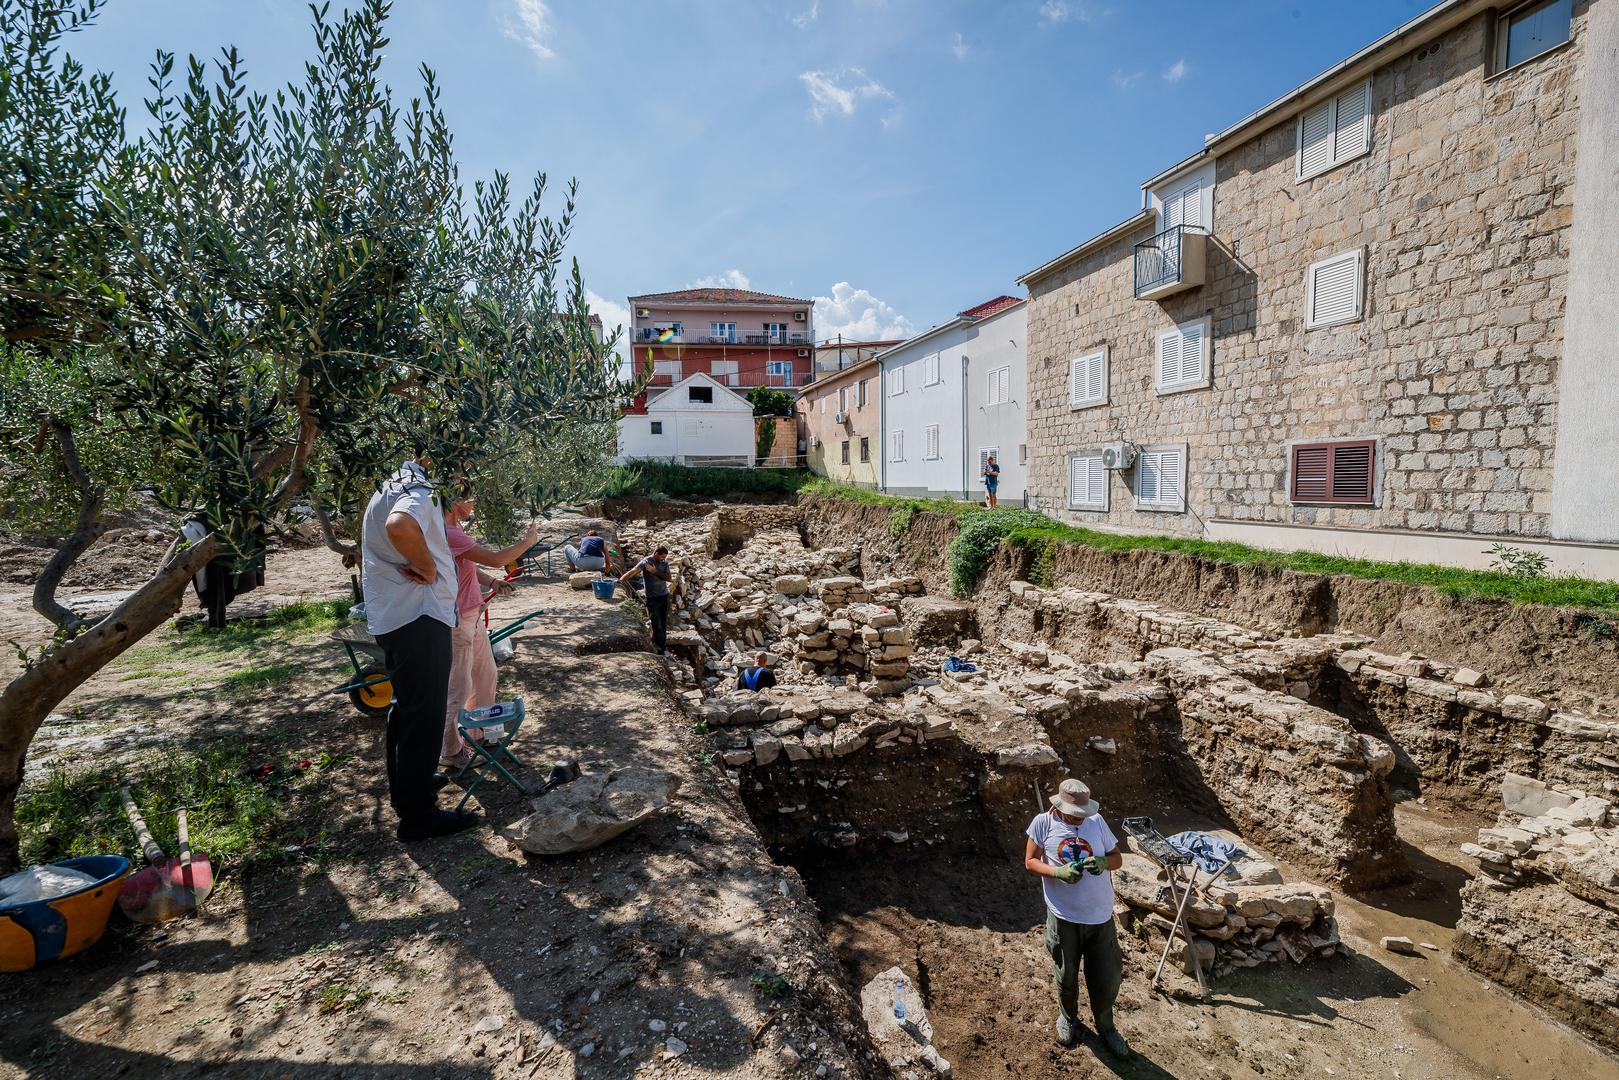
column 1071, row 849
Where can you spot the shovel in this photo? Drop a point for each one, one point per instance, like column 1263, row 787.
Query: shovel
column 166, row 888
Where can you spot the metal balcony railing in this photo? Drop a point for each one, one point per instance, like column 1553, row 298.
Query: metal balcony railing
column 1170, row 261
column 650, row 336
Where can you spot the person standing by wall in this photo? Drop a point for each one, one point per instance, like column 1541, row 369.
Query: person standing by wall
column 1071, row 849
column 408, row 577
column 472, row 660
column 654, row 571
column 992, row 481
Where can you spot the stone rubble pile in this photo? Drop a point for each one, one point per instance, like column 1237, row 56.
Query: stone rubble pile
column 1546, row 833
column 1542, row 915
column 784, row 728
column 1234, row 925
column 1116, row 620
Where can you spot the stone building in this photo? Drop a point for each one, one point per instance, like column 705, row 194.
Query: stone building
column 1349, row 323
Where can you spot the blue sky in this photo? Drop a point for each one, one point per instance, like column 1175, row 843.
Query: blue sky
column 904, row 159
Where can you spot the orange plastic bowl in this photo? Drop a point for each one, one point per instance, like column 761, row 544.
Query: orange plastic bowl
column 49, row 929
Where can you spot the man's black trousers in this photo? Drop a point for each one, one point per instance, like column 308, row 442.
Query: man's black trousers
column 657, row 612
column 418, row 659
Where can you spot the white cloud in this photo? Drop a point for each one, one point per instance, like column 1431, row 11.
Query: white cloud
column 804, row 18
column 960, row 49
column 731, row 279
column 532, row 28
column 1127, row 82
column 1176, row 71
column 1060, row 11
column 858, row 316
column 841, row 92
column 612, row 315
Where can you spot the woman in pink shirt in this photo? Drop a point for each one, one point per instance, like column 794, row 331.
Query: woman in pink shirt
column 472, row 663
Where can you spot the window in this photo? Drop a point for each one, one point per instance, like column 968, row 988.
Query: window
column 930, row 442
column 865, row 449
column 780, row 370
column 930, row 366
column 724, row 332
column 896, row 381
column 823, row 404
column 984, row 455
column 1333, row 290
column 998, row 386
column 1161, row 478
column 1022, row 453
column 843, row 399
column 721, row 368
column 670, row 368
column 657, row 427
column 896, row 446
column 705, row 394
column 844, row 458
column 1335, row 131
column 1334, row 472
column 1526, row 32
column 1183, row 207
column 860, row 395
column 1183, row 357
column 1087, row 380
column 775, row 333
column 1087, row 482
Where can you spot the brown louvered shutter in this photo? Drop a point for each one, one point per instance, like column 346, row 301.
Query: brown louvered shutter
column 1352, row 472
column 1334, row 472
column 1311, row 467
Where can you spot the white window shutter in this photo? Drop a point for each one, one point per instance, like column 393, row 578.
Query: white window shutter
column 1169, row 357
column 1171, row 482
column 1315, row 139
column 1078, row 480
column 1192, row 344
column 1334, row 290
column 1184, row 207
column 1078, row 381
column 1352, row 122
column 1094, row 387
column 990, row 383
column 1147, row 476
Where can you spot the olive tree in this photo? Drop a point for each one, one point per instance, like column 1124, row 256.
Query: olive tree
column 271, row 295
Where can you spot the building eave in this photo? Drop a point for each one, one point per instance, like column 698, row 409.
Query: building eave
column 954, row 324
column 1122, row 229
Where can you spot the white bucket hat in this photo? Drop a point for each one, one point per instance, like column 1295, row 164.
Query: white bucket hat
column 1073, row 798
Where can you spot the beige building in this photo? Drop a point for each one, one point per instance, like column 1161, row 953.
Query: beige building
column 1349, row 323
column 840, row 422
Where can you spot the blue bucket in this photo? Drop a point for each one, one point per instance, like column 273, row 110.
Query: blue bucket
column 603, row 588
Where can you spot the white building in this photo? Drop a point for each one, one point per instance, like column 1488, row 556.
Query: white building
column 697, row 421
column 950, row 397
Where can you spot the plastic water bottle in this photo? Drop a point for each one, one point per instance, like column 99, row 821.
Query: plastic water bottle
column 899, row 1002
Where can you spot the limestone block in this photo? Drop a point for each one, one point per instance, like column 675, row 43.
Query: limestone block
column 1027, row 756
column 791, row 584
column 737, row 757
column 890, row 671
column 581, row 580
column 896, row 635
column 794, row 749
column 1530, row 797
column 1508, row 840
column 1468, row 677
column 766, row 748
column 592, row 810
column 846, row 741
column 907, row 1047
column 1518, row 707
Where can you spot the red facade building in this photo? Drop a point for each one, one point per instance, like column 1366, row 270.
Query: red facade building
column 739, row 337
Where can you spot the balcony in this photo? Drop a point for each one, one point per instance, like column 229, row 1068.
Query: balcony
column 648, row 335
column 1171, row 262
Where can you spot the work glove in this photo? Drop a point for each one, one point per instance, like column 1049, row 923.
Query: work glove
column 1095, row 864
column 1067, row 873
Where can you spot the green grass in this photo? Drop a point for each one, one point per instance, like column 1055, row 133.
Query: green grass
column 233, row 812
column 290, row 621
column 1037, row 533
column 662, row 480
column 251, row 680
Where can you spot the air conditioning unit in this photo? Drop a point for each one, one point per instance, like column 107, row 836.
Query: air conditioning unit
column 803, row 352
column 1118, row 456
column 839, row 418
column 800, row 316
column 814, row 442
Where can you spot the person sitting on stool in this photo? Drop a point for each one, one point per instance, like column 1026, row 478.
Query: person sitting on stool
column 757, row 677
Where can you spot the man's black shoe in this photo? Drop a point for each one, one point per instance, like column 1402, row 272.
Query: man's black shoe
column 438, row 823
column 440, row 781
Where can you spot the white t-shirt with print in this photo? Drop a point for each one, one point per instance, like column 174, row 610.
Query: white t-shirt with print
column 1090, row 899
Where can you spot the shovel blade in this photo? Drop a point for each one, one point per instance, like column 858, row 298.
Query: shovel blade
column 157, row 894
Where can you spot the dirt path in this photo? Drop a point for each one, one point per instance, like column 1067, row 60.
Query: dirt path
column 351, row 955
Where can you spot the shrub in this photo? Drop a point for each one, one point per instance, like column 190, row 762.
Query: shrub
column 1518, row 562
column 981, row 533
column 681, row 481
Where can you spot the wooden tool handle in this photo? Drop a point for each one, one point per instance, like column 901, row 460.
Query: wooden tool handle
column 143, row 835
column 185, row 838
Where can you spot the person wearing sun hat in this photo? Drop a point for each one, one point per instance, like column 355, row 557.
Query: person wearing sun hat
column 1071, row 849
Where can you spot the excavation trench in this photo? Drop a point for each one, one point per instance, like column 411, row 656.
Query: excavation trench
column 902, row 797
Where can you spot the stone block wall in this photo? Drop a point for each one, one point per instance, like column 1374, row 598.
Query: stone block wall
column 1462, row 209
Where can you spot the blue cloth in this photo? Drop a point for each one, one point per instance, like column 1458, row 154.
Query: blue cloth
column 1208, row 852
column 956, row 663
column 593, row 546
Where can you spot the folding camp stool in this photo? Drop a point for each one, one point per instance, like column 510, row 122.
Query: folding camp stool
column 1155, row 847
column 507, row 717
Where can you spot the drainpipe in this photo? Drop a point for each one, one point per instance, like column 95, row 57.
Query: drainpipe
column 882, row 427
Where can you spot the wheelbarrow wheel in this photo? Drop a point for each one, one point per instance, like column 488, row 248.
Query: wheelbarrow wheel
column 372, row 700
